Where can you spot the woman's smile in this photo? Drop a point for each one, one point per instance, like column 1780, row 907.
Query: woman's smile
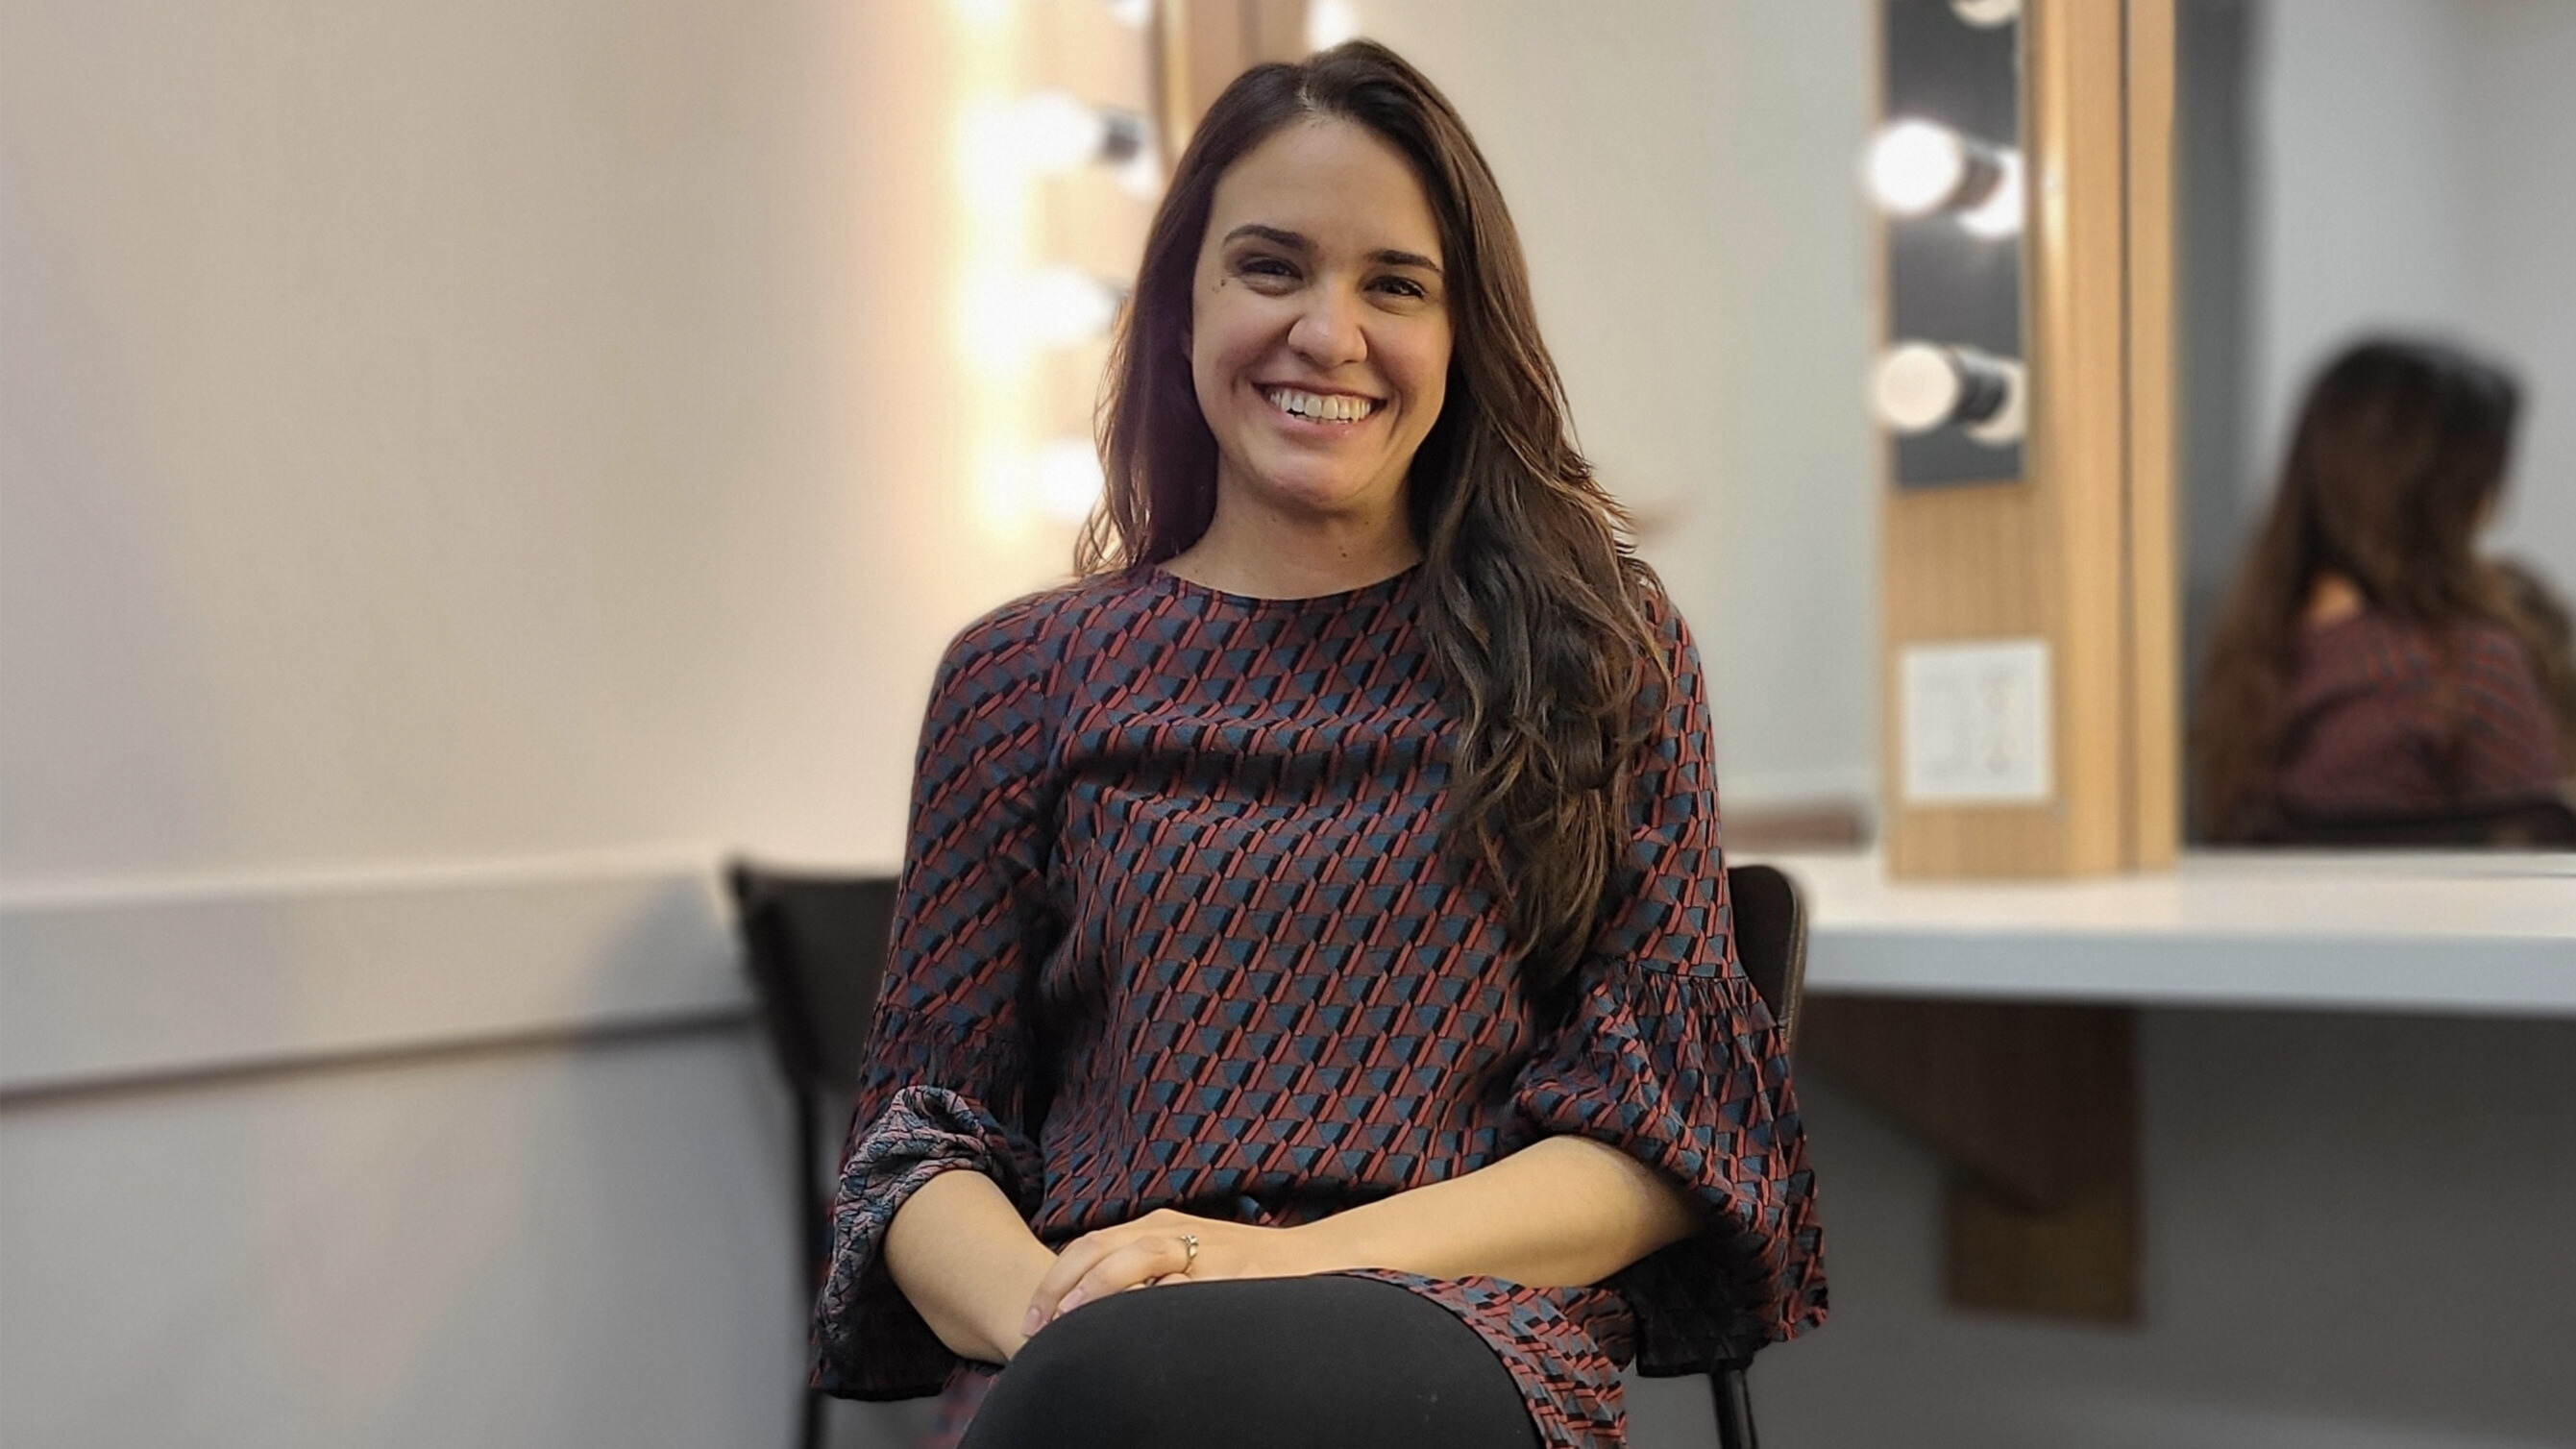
column 1320, row 330
column 1328, row 409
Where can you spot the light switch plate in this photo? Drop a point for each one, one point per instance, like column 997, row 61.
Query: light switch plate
column 1976, row 723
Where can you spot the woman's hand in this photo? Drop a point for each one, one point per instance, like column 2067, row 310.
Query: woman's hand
column 1155, row 1248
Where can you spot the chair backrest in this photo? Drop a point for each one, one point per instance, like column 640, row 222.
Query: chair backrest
column 816, row 947
column 1770, row 938
column 2541, row 823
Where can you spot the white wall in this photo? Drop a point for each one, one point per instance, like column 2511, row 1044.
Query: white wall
column 2520, row 178
column 444, row 448
column 2415, row 170
column 1684, row 183
column 573, row 1247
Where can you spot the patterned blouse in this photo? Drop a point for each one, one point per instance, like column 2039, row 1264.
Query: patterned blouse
column 1174, row 931
column 2387, row 717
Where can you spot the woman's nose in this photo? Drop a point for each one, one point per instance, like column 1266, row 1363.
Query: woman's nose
column 1328, row 332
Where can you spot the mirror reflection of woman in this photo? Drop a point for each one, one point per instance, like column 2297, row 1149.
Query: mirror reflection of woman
column 1313, row 1017
column 2370, row 666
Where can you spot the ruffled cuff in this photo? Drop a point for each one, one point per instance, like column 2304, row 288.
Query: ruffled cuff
column 868, row 1340
column 1685, row 1072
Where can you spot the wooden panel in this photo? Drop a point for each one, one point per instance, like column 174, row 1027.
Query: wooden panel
column 2078, row 434
column 1205, row 44
column 2035, row 1106
column 2080, row 553
column 2155, row 661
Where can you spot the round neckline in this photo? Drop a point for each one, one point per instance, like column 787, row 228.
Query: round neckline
column 1257, row 601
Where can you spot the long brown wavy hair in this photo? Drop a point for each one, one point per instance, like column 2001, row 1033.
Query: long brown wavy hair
column 1531, row 599
column 2398, row 457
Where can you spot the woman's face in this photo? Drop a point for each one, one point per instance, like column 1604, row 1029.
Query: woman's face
column 1319, row 338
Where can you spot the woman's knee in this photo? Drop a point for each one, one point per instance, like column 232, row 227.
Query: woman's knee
column 1091, row 1377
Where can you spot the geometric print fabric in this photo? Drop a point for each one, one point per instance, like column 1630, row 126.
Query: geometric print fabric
column 1174, row 930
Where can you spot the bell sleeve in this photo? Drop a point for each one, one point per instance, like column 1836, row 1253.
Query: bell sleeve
column 947, row 1082
column 1667, row 1053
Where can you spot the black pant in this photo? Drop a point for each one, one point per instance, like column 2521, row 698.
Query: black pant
column 1264, row 1363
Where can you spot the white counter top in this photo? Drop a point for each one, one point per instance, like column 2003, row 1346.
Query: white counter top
column 2490, row 934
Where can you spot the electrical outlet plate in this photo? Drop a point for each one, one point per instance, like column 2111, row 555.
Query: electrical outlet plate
column 1977, row 723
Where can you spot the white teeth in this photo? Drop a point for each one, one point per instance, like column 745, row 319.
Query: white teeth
column 1320, row 407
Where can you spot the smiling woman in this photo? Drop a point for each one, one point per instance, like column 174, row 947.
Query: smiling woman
column 1319, row 351
column 1320, row 903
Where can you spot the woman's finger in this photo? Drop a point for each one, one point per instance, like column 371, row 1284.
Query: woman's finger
column 1138, row 1262
column 1078, row 1258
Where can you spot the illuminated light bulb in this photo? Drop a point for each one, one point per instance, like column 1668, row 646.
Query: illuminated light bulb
column 1134, row 14
column 1987, row 14
column 1915, row 387
column 1065, row 305
column 1059, row 132
column 1065, row 479
column 1329, row 23
column 1999, row 215
column 1141, row 175
column 991, row 174
column 1915, row 167
column 1921, row 386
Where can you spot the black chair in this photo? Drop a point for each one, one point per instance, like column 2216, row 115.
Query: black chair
column 816, row 948
column 1771, row 943
column 2541, row 823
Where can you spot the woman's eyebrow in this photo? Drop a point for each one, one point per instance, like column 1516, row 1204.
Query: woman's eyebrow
column 1276, row 237
column 1388, row 257
column 1297, row 242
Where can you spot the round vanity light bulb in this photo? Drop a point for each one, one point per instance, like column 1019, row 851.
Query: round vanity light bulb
column 1134, row 14
column 1329, row 23
column 1066, row 305
column 1065, row 479
column 1920, row 386
column 1916, row 387
column 1059, row 132
column 1987, row 14
column 1915, row 166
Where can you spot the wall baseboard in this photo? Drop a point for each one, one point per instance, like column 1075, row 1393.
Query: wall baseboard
column 103, row 986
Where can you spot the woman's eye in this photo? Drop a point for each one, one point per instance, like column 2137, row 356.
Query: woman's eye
column 1265, row 267
column 1402, row 287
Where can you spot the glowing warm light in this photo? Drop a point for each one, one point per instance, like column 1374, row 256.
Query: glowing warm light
column 1141, row 176
column 1134, row 14
column 1999, row 215
column 1987, row 14
column 1058, row 132
column 1065, row 479
column 1066, row 305
column 995, row 240
column 1916, row 166
column 1329, row 23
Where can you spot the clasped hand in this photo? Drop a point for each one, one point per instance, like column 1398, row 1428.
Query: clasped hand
column 1155, row 1249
